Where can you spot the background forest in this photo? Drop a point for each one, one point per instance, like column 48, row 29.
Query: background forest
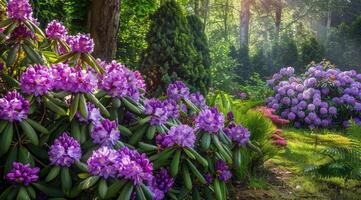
column 242, row 38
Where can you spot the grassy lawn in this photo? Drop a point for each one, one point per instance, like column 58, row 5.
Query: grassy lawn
column 303, row 151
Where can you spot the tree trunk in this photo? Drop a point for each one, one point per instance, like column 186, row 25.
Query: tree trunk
column 205, row 13
column 278, row 18
column 103, row 23
column 196, row 8
column 245, row 15
column 328, row 25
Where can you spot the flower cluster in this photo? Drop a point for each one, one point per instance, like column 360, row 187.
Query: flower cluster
column 36, row 80
column 73, row 80
column 172, row 108
column 19, row 9
column 65, row 151
column 103, row 162
column 134, row 166
column 119, row 81
column 177, row 91
column 157, row 110
column 56, row 30
column 323, row 97
column 123, row 163
column 161, row 183
column 81, row 43
column 198, row 100
column 181, row 135
column 222, row 170
column 22, row 174
column 210, row 120
column 93, row 114
column 238, row 134
column 105, row 132
column 13, row 107
column 21, row 32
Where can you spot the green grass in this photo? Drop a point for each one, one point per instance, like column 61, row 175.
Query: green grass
column 303, row 151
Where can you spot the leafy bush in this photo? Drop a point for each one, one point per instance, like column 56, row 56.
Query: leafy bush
column 322, row 97
column 171, row 54
column 341, row 161
column 261, row 128
column 75, row 127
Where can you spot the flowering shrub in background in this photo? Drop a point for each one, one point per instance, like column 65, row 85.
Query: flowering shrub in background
column 75, row 127
column 322, row 97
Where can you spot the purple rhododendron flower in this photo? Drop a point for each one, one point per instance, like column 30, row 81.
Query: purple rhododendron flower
column 177, row 91
column 157, row 110
column 210, row 120
column 74, row 80
column 222, row 170
column 198, row 100
column 65, row 151
column 238, row 134
column 180, row 135
column 19, row 9
column 81, row 43
column 56, row 30
column 103, row 162
column 161, row 183
column 172, row 108
column 119, row 81
column 23, row 174
column 37, row 80
column 134, row 166
column 13, row 107
column 20, row 33
column 105, row 132
column 93, row 114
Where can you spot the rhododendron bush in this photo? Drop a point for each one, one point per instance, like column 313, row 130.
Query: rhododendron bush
column 72, row 126
column 323, row 96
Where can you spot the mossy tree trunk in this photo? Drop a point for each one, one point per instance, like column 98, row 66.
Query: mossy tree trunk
column 103, row 24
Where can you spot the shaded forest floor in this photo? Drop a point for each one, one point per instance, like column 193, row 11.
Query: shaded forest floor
column 284, row 178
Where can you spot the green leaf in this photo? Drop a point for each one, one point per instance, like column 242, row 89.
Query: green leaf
column 138, row 135
column 148, row 194
column 89, row 182
column 196, row 172
column 124, row 130
column 12, row 54
column 198, row 157
column 54, row 172
column 6, row 138
column 186, row 177
column 140, row 193
column 74, row 106
column 151, row 132
column 37, row 126
column 66, row 181
column 25, row 157
column 31, row 192
column 10, row 159
column 217, row 189
column 3, row 125
column 102, row 188
column 75, row 130
column 64, row 57
column 206, row 141
column 175, row 163
column 237, row 157
column 162, row 155
column 133, row 108
column 34, row 56
column 83, row 167
column 10, row 80
column 97, row 103
column 147, row 147
column 55, row 108
column 5, row 22
column 29, row 132
column 83, row 107
column 114, row 188
column 22, row 194
column 126, row 192
column 48, row 190
column 221, row 150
